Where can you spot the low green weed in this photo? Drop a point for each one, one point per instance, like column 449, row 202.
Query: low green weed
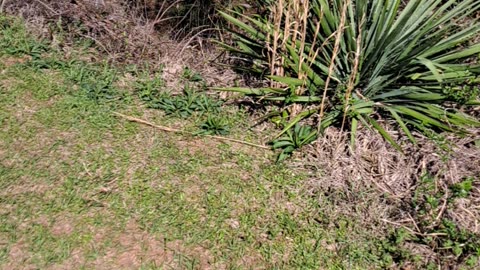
column 190, row 102
column 434, row 228
column 148, row 87
column 95, row 81
column 191, row 75
column 293, row 139
column 214, row 126
column 15, row 41
column 52, row 62
column 462, row 189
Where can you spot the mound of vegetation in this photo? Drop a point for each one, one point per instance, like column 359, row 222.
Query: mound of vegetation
column 366, row 62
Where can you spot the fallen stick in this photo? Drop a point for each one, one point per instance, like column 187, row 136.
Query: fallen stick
column 167, row 129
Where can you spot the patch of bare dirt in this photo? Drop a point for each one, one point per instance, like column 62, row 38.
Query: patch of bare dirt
column 130, row 248
column 75, row 261
column 11, row 60
column 24, row 185
column 6, row 84
column 46, row 143
column 178, row 56
column 63, row 226
column 207, row 147
column 18, row 257
column 134, row 247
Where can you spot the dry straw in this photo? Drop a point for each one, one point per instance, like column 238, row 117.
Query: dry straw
column 289, row 20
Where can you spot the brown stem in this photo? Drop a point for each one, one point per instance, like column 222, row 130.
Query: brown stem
column 167, row 129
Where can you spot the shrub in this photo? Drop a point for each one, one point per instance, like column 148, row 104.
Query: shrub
column 348, row 62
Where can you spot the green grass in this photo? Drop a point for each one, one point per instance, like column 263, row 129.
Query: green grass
column 73, row 177
column 68, row 158
column 80, row 188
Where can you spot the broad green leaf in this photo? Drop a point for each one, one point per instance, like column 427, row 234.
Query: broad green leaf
column 250, row 91
column 431, row 66
column 384, row 133
column 411, row 61
column 402, row 124
column 295, row 121
column 249, row 29
column 287, row 80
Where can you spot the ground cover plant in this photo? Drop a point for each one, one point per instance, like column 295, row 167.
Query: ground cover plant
column 365, row 62
column 434, row 228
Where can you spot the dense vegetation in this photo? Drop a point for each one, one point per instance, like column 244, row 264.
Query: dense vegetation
column 366, row 62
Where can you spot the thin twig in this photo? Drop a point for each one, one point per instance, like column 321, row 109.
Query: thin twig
column 2, row 4
column 400, row 225
column 186, row 14
column 162, row 12
column 112, row 56
column 47, row 7
column 167, row 129
column 414, row 223
column 444, row 205
column 192, row 38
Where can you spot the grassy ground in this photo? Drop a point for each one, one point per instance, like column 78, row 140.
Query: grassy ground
column 83, row 189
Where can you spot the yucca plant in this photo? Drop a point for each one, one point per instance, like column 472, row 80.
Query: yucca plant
column 366, row 61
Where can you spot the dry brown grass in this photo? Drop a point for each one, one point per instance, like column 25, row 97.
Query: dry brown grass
column 125, row 32
column 111, row 25
column 375, row 184
column 289, row 20
column 373, row 163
